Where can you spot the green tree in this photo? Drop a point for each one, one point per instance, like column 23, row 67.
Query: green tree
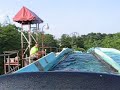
column 9, row 38
column 65, row 41
column 49, row 40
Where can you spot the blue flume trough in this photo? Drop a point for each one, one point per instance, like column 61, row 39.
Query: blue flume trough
column 45, row 63
column 100, row 53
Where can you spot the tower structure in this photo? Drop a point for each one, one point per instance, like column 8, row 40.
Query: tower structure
column 27, row 18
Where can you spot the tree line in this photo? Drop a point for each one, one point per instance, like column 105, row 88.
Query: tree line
column 10, row 39
column 84, row 42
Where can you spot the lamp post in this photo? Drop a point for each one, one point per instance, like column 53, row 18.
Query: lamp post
column 42, row 35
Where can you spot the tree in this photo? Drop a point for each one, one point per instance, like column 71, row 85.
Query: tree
column 79, row 42
column 49, row 40
column 9, row 38
column 65, row 41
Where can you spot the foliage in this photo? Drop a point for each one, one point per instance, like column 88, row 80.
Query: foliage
column 9, row 38
column 50, row 41
column 65, row 41
column 91, row 40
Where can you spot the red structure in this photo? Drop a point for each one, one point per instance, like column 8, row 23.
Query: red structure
column 27, row 17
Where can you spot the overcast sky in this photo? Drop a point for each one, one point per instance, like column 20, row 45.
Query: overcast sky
column 68, row 16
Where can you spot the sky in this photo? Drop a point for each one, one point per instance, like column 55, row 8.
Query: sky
column 69, row 16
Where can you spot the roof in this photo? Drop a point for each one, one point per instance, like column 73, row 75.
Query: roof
column 26, row 16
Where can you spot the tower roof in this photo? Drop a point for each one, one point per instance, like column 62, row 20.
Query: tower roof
column 26, row 16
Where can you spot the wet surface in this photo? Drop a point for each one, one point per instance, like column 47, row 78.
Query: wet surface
column 82, row 62
column 114, row 56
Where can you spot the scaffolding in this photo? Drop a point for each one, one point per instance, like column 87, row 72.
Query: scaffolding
column 27, row 18
column 26, row 42
column 11, row 61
